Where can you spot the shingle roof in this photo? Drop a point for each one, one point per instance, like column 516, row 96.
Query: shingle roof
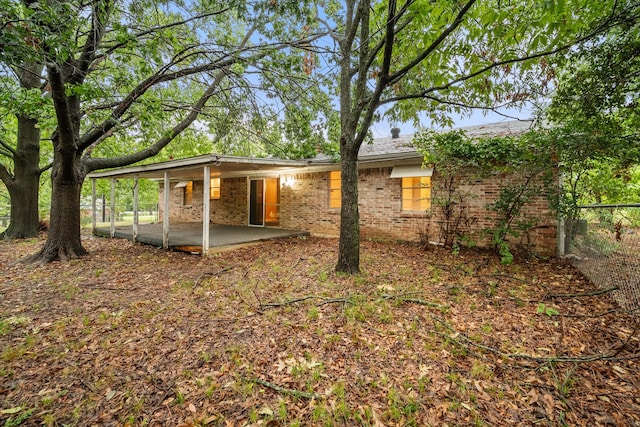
column 389, row 146
column 381, row 149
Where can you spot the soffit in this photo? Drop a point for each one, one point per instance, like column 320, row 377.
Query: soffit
column 192, row 168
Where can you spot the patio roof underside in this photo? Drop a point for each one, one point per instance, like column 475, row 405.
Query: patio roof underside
column 229, row 166
column 192, row 168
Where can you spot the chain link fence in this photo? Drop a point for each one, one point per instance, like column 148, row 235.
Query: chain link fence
column 5, row 215
column 604, row 244
column 123, row 214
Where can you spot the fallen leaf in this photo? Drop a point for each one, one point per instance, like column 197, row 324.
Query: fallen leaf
column 265, row 410
column 619, row 369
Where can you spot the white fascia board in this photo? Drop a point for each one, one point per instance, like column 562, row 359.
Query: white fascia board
column 182, row 184
column 410, row 171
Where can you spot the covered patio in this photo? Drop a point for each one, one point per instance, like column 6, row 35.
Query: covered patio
column 197, row 237
column 188, row 236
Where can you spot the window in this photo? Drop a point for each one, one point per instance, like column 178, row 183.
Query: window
column 335, row 200
column 416, row 193
column 214, row 186
column 187, row 195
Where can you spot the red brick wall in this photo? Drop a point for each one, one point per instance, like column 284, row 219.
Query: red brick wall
column 178, row 212
column 230, row 209
column 304, row 205
column 482, row 192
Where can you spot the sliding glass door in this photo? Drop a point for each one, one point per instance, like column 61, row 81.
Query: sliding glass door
column 264, row 202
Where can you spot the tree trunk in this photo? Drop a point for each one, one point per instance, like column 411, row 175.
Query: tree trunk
column 63, row 240
column 24, row 187
column 349, row 247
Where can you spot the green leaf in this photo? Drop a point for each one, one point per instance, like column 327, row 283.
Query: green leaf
column 549, row 311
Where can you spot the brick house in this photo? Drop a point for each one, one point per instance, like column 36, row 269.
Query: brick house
column 395, row 192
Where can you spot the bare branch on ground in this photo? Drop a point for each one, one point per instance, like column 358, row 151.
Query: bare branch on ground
column 586, row 294
column 409, row 298
column 208, row 274
column 464, row 342
column 284, row 390
column 324, row 300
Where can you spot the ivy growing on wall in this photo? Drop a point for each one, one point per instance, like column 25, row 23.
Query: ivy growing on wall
column 450, row 197
column 525, row 164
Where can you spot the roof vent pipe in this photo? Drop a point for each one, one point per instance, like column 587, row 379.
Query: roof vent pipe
column 395, row 133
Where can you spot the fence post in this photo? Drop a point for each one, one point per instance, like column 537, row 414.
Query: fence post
column 134, row 228
column 561, row 222
column 112, row 214
column 104, row 209
column 93, row 206
column 165, row 222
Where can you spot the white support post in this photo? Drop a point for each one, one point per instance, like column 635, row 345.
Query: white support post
column 112, row 228
column 134, row 230
column 165, row 220
column 93, row 205
column 206, row 206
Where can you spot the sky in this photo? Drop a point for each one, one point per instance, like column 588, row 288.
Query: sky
column 383, row 128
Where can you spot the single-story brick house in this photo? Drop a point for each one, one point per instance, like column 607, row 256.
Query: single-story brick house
column 395, row 192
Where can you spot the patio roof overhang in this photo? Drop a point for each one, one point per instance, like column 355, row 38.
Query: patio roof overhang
column 234, row 166
column 191, row 168
column 195, row 168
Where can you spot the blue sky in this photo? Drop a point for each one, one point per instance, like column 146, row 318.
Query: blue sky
column 383, row 128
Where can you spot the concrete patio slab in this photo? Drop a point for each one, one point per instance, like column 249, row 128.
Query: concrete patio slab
column 189, row 235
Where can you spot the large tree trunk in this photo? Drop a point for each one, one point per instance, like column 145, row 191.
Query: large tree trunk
column 349, row 247
column 63, row 240
column 24, row 185
column 67, row 174
column 23, row 188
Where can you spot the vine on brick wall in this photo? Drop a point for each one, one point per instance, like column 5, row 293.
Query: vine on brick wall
column 452, row 203
column 524, row 162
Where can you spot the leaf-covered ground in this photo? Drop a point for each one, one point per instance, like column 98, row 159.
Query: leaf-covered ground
column 269, row 335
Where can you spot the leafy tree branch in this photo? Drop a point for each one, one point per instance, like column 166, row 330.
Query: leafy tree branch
column 103, row 163
column 141, row 34
column 7, row 150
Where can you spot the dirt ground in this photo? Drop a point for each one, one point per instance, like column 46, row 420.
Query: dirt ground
column 269, row 335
